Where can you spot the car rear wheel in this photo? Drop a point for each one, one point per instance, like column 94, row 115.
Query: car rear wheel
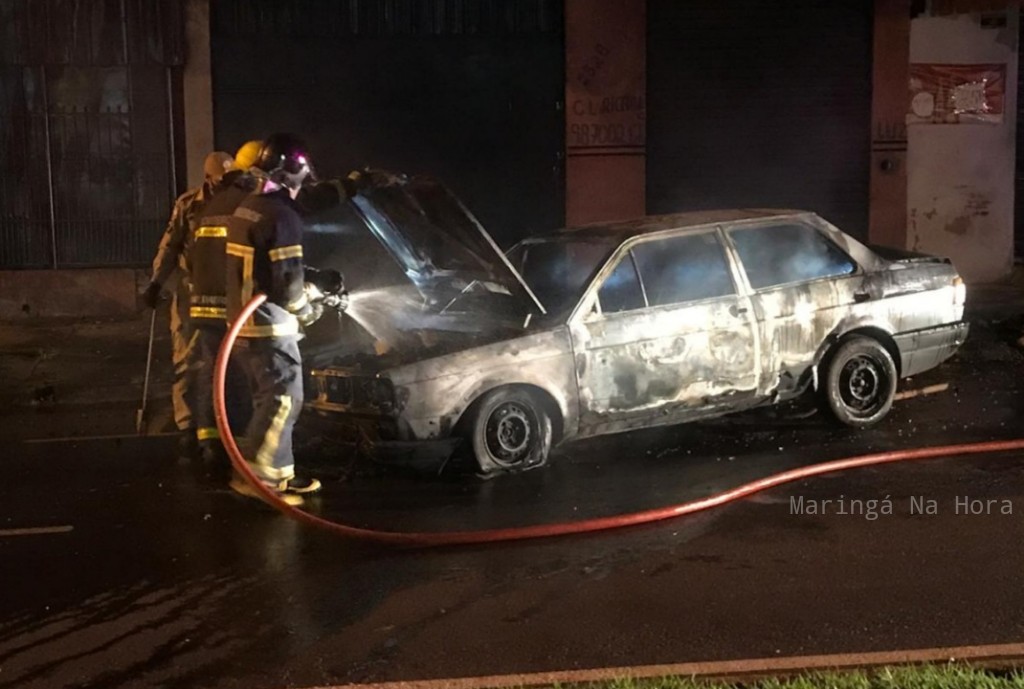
column 509, row 431
column 860, row 382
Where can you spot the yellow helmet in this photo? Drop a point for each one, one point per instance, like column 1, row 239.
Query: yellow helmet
column 248, row 154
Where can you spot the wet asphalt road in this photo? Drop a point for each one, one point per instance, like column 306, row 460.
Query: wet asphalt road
column 169, row 580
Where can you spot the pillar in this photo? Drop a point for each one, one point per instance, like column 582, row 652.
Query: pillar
column 197, row 89
column 605, row 109
column 887, row 211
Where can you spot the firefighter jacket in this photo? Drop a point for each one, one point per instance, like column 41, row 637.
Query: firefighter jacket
column 173, row 251
column 207, row 242
column 264, row 254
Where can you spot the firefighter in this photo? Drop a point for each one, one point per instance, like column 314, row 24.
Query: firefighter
column 173, row 260
column 208, row 301
column 264, row 254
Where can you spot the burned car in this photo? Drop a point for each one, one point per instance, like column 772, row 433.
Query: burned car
column 611, row 327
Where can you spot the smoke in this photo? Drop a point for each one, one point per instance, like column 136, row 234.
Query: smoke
column 783, row 254
column 685, row 268
column 339, row 240
column 558, row 270
column 376, row 321
column 691, row 268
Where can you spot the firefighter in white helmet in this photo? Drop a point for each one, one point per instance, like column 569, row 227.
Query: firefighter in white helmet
column 208, row 300
column 171, row 268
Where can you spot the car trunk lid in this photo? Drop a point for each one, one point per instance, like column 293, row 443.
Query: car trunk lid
column 903, row 256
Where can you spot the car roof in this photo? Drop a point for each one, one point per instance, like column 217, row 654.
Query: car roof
column 622, row 230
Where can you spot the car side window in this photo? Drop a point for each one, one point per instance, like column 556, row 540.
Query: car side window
column 621, row 289
column 686, row 268
column 782, row 254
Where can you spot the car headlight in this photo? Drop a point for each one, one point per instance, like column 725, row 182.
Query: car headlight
column 380, row 392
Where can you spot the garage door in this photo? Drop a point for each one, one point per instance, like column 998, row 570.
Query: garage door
column 466, row 90
column 754, row 103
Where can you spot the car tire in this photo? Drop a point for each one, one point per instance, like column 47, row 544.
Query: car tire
column 509, row 430
column 860, row 382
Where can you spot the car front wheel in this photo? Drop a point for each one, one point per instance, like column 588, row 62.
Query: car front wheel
column 509, row 431
column 860, row 382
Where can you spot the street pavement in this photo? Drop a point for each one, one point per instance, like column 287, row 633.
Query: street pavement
column 145, row 571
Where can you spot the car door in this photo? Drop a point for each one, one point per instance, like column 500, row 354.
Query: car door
column 802, row 285
column 669, row 336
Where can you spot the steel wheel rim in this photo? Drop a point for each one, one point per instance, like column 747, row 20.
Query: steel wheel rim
column 509, row 432
column 863, row 385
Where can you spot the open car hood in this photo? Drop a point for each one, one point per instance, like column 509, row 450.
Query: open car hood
column 388, row 327
column 438, row 243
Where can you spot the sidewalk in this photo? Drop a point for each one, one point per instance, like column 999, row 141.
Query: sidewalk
column 81, row 378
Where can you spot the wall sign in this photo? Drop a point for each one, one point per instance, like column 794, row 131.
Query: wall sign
column 605, row 76
column 957, row 94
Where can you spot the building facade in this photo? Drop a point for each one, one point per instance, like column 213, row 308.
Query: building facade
column 538, row 113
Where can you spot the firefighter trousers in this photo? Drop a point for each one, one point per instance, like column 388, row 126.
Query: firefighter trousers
column 208, row 338
column 183, row 342
column 273, row 369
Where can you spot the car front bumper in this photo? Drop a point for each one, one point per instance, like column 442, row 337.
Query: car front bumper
column 922, row 350
column 380, row 439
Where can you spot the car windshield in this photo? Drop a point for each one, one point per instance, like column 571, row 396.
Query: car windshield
column 558, row 269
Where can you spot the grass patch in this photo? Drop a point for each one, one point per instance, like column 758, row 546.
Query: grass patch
column 952, row 676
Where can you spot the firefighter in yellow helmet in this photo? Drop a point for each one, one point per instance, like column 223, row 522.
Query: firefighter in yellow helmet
column 248, row 154
column 171, row 270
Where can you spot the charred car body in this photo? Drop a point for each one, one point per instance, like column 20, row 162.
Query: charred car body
column 610, row 327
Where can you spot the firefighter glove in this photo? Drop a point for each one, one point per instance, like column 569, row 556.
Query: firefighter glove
column 311, row 315
column 354, row 183
column 151, row 296
column 341, row 300
column 327, row 280
column 380, row 178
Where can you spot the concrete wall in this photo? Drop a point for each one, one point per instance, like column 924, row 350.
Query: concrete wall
column 960, row 185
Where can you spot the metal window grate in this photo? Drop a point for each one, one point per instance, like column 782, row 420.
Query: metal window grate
column 86, row 162
column 376, row 18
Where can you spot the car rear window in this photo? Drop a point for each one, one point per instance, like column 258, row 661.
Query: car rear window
column 783, row 254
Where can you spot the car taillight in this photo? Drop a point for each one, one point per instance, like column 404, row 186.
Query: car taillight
column 959, row 291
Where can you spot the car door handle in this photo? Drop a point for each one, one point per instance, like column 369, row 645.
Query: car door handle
column 861, row 297
column 737, row 310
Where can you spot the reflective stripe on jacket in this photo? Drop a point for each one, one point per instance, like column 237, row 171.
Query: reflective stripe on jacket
column 209, row 240
column 264, row 254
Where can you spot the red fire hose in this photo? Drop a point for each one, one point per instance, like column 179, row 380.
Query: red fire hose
column 428, row 539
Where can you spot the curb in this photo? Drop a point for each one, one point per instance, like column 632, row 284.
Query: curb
column 1003, row 654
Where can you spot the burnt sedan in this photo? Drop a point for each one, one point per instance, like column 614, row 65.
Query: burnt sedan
column 618, row 326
